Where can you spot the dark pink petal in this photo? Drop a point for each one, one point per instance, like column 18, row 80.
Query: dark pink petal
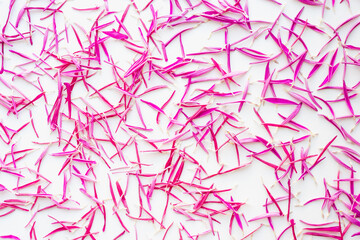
column 116, row 35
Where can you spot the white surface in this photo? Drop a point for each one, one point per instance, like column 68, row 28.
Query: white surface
column 245, row 184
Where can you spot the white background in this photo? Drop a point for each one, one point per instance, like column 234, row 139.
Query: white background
column 246, row 184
